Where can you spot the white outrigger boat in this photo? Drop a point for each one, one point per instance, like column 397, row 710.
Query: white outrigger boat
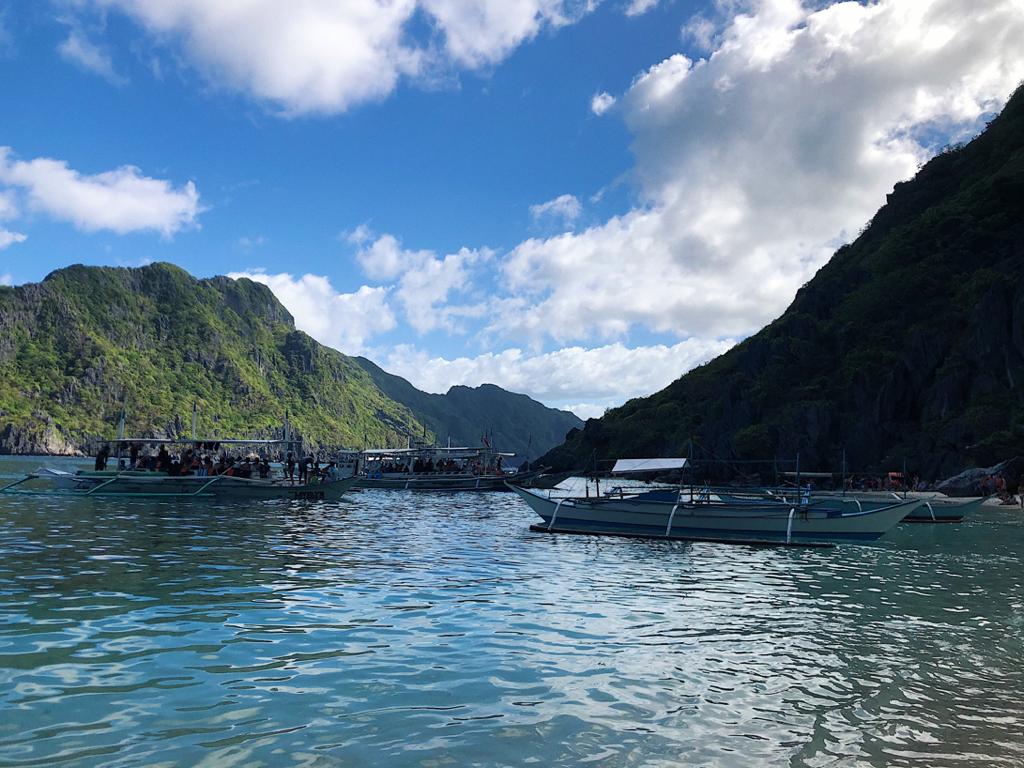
column 930, row 508
column 689, row 513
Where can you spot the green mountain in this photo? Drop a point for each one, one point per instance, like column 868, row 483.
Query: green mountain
column 907, row 346
column 86, row 339
column 464, row 414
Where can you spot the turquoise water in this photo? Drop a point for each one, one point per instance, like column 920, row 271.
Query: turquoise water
column 430, row 630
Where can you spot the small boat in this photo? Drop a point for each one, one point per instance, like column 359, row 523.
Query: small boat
column 682, row 514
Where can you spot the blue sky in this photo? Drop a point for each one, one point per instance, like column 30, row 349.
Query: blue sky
column 579, row 200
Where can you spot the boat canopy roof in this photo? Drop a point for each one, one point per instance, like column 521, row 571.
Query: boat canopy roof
column 807, row 474
column 630, row 466
column 448, row 451
column 193, row 440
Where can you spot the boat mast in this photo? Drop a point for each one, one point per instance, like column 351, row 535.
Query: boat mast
column 195, row 418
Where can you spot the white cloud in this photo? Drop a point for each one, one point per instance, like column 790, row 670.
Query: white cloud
column 8, row 207
column 638, row 7
column 324, row 56
column 564, row 209
column 584, row 380
column 80, row 51
column 122, row 200
column 601, row 102
column 343, row 321
column 756, row 163
column 480, row 32
column 10, row 238
column 6, row 279
column 423, row 280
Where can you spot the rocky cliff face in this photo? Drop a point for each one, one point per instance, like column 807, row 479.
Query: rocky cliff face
column 906, row 346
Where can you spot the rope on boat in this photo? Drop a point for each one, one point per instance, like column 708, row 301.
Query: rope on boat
column 789, row 525
column 930, row 509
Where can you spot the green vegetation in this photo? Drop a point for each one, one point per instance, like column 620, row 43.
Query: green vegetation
column 907, row 345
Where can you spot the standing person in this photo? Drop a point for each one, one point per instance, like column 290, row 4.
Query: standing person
column 289, row 467
column 304, row 470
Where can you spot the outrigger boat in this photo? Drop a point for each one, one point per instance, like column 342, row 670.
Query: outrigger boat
column 691, row 513
column 431, row 468
column 930, row 508
column 135, row 481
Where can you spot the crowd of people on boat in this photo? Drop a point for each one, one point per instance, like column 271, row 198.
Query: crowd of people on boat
column 426, row 466
column 192, row 462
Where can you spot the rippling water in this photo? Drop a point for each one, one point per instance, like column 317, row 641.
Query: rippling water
column 433, row 630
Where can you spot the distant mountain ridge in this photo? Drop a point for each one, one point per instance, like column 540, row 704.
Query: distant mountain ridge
column 513, row 422
column 907, row 346
column 77, row 345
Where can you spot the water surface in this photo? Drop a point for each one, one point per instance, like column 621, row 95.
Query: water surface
column 429, row 630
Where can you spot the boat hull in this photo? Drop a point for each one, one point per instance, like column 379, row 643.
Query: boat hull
column 452, row 483
column 746, row 523
column 155, row 485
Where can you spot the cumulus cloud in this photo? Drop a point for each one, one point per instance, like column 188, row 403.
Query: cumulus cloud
column 583, row 380
column 564, row 209
column 6, row 279
column 601, row 102
column 122, row 200
column 324, row 56
column 79, row 50
column 343, row 321
column 755, row 163
column 423, row 281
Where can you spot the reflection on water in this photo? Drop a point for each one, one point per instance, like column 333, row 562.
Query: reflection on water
column 410, row 629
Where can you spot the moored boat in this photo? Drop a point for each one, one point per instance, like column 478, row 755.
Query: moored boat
column 131, row 483
column 679, row 514
column 432, row 468
column 190, row 472
column 930, row 508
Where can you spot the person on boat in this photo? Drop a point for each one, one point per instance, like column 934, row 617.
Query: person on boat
column 163, row 459
column 264, row 468
column 331, row 473
column 208, row 465
column 316, row 467
column 101, row 458
column 289, row 467
column 133, row 455
column 304, row 470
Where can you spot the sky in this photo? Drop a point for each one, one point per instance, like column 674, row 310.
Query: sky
column 576, row 199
